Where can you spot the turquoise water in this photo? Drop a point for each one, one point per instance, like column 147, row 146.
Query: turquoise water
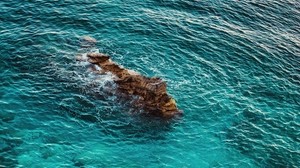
column 232, row 66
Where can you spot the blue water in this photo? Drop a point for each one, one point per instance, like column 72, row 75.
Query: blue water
column 232, row 66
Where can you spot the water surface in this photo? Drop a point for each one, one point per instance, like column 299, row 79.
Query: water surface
column 232, row 66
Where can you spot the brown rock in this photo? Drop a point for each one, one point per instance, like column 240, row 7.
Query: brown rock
column 152, row 92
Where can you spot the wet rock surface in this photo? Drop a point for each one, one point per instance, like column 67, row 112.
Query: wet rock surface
column 151, row 93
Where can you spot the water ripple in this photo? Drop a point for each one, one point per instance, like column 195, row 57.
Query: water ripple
column 232, row 66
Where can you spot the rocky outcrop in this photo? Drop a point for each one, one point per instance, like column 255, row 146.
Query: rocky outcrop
column 151, row 92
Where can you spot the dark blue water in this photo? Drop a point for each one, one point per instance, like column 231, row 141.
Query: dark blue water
column 232, row 66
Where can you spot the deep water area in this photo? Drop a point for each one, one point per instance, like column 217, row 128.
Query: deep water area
column 232, row 66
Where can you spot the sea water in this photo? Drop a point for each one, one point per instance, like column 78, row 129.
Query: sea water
column 232, row 66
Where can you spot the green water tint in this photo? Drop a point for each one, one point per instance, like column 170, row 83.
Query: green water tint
column 232, row 66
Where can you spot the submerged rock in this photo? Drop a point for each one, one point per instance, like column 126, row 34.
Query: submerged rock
column 151, row 93
column 87, row 42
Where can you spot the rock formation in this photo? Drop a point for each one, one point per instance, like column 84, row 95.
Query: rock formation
column 151, row 92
